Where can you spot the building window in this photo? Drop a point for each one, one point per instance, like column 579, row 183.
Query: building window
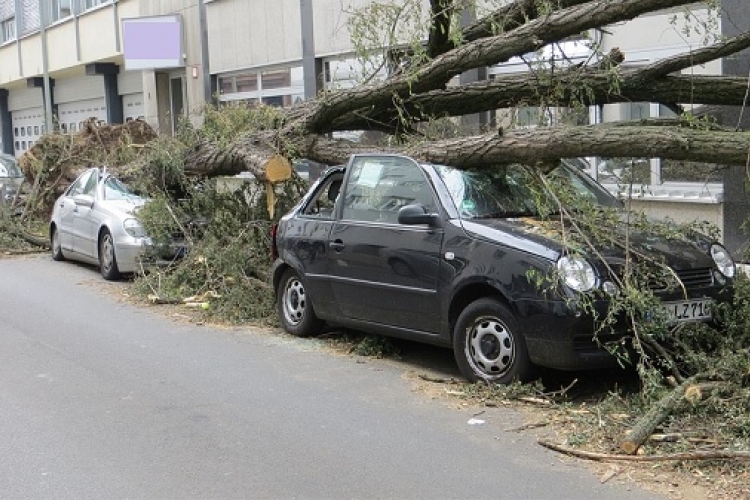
column 61, row 9
column 90, row 4
column 547, row 116
column 226, row 85
column 274, row 86
column 276, row 79
column 654, row 172
column 8, row 30
column 247, row 83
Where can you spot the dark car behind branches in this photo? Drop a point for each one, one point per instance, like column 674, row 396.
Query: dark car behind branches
column 460, row 259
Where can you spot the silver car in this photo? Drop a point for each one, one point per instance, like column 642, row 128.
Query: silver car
column 11, row 178
column 94, row 222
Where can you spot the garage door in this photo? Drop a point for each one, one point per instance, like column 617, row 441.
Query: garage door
column 71, row 115
column 132, row 105
column 28, row 127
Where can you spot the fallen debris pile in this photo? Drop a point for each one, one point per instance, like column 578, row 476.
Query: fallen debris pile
column 56, row 160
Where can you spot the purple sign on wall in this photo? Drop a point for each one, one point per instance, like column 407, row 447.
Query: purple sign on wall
column 152, row 42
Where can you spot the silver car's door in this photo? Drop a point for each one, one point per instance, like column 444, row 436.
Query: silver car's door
column 84, row 232
column 69, row 210
column 65, row 225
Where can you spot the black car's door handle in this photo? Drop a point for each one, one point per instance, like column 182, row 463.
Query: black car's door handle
column 337, row 245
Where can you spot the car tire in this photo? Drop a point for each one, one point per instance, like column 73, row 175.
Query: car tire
column 295, row 308
column 107, row 259
column 56, row 246
column 489, row 346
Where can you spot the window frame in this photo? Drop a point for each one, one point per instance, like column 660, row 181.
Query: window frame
column 378, row 189
column 8, row 32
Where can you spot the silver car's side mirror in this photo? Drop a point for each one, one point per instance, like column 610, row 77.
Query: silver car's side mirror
column 83, row 200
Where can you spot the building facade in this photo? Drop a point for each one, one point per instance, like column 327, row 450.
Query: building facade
column 66, row 61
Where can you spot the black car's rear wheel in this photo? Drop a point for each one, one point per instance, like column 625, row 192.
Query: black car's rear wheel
column 488, row 345
column 57, row 252
column 295, row 308
column 107, row 259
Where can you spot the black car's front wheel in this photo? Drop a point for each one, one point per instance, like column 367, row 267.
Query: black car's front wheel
column 107, row 258
column 488, row 345
column 295, row 308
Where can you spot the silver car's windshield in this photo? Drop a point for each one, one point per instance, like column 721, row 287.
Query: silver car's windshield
column 116, row 190
column 8, row 167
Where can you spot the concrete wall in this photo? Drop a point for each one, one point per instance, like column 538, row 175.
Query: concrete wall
column 188, row 10
column 273, row 36
column 682, row 212
column 737, row 200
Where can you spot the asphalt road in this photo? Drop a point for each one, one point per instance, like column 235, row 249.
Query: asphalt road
column 100, row 399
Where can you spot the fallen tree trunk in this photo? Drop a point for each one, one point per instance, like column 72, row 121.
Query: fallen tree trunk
column 646, row 425
column 528, row 146
column 254, row 154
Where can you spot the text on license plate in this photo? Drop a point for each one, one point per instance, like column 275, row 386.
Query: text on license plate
column 689, row 310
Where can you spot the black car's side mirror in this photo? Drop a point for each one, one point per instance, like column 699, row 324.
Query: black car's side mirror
column 417, row 214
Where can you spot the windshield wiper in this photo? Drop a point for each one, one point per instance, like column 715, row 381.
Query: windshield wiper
column 504, row 215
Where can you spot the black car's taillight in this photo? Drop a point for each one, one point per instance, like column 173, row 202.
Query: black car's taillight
column 274, row 248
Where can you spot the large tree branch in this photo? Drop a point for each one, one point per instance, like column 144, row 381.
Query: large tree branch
column 540, row 145
column 480, row 53
column 588, row 88
column 695, row 57
column 510, row 16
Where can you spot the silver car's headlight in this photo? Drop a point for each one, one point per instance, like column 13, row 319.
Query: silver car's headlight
column 134, row 228
column 723, row 260
column 577, row 273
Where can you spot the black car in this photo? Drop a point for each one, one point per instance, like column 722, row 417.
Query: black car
column 439, row 255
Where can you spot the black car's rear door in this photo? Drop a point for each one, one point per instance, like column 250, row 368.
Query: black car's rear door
column 382, row 271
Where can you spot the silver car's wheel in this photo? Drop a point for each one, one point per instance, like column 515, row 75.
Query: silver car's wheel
column 295, row 308
column 107, row 258
column 56, row 246
column 488, row 345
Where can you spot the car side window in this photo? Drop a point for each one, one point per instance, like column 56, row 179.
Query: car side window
column 88, row 189
column 78, row 185
column 379, row 186
column 323, row 204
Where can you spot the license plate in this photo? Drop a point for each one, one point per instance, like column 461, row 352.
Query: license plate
column 689, row 310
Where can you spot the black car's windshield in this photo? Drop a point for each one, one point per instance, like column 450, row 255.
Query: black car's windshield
column 514, row 190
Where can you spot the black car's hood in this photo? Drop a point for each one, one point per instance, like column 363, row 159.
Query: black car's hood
column 544, row 238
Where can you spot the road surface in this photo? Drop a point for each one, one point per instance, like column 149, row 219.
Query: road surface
column 102, row 399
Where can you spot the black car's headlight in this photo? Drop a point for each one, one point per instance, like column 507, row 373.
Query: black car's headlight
column 723, row 260
column 577, row 273
column 134, row 228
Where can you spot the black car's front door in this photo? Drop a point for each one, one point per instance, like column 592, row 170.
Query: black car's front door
column 382, row 271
